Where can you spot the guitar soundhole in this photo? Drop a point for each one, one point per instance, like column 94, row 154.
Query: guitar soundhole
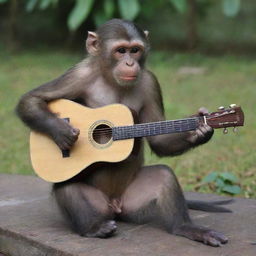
column 102, row 134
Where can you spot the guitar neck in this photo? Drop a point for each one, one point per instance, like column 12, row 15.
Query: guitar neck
column 155, row 128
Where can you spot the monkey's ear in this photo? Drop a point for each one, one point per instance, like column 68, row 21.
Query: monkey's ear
column 146, row 32
column 92, row 44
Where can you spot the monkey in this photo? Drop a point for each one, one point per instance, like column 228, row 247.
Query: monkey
column 114, row 71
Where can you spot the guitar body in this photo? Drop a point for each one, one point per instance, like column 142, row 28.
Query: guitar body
column 46, row 157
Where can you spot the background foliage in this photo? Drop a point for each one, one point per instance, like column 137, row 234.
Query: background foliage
column 186, row 24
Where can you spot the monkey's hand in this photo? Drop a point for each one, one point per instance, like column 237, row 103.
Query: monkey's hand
column 63, row 134
column 203, row 133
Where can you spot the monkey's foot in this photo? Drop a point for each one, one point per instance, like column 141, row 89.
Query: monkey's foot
column 105, row 230
column 214, row 238
column 201, row 234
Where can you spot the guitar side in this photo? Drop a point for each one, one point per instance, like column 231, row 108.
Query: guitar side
column 46, row 157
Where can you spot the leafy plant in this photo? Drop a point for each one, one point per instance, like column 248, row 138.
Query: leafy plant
column 179, row 5
column 129, row 9
column 231, row 7
column 31, row 5
column 79, row 13
column 223, row 182
column 82, row 8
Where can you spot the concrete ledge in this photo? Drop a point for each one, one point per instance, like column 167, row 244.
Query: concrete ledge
column 31, row 225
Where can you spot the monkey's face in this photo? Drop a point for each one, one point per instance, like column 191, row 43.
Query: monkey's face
column 126, row 58
column 120, row 57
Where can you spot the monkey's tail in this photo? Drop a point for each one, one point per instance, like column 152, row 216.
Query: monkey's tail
column 209, row 206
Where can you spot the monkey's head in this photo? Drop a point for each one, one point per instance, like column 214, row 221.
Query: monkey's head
column 120, row 48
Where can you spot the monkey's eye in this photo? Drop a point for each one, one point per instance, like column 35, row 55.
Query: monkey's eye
column 121, row 50
column 135, row 49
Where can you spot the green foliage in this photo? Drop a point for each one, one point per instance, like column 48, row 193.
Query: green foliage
column 109, row 7
column 83, row 8
column 31, row 4
column 79, row 13
column 40, row 4
column 231, row 7
column 179, row 5
column 103, row 14
column 44, row 4
column 223, row 182
column 129, row 9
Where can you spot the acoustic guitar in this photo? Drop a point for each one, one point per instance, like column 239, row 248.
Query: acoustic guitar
column 107, row 135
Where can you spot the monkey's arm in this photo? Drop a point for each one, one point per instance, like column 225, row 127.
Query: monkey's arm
column 32, row 109
column 169, row 144
column 178, row 143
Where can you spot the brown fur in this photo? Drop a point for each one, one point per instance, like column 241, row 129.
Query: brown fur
column 126, row 190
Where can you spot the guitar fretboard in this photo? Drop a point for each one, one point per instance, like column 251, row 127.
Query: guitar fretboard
column 156, row 128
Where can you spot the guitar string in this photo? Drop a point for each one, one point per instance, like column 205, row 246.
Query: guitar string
column 159, row 122
column 125, row 129
column 102, row 130
column 167, row 123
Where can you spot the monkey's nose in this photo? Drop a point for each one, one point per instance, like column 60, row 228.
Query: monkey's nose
column 129, row 63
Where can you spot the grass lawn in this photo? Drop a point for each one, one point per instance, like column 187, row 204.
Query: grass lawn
column 218, row 81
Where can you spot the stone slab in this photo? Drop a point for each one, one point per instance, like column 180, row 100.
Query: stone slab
column 30, row 225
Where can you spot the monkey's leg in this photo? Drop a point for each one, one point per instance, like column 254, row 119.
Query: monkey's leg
column 156, row 196
column 86, row 208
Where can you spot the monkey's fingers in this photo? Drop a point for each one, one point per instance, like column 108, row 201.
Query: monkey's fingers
column 205, row 133
column 75, row 131
column 205, row 129
column 201, row 135
column 192, row 137
column 63, row 145
column 197, row 135
column 203, row 111
column 70, row 140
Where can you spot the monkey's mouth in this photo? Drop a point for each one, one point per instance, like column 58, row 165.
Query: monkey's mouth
column 128, row 78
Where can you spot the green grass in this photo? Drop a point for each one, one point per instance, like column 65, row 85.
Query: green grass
column 226, row 80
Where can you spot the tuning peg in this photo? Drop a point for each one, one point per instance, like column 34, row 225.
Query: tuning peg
column 232, row 105
column 235, row 129
column 225, row 131
column 221, row 108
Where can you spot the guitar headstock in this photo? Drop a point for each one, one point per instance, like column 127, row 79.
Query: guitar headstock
column 232, row 116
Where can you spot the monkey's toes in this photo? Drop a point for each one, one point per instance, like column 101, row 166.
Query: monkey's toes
column 214, row 238
column 107, row 229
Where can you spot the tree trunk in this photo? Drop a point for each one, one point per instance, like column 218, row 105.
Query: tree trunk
column 12, row 25
column 192, row 33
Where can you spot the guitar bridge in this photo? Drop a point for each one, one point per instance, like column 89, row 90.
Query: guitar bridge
column 65, row 153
